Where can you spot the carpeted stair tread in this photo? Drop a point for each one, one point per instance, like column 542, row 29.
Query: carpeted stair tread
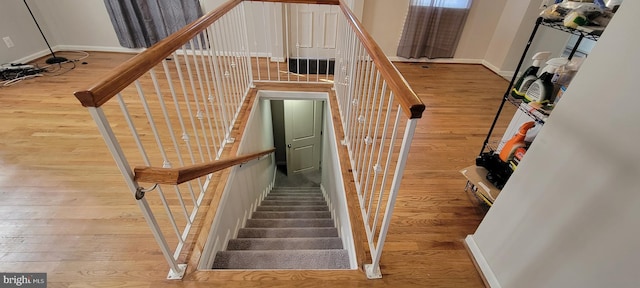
column 295, row 188
column 297, row 191
column 314, row 232
column 312, row 191
column 316, row 193
column 285, row 243
column 292, row 192
column 282, row 259
column 292, row 228
column 308, row 196
column 293, row 208
column 288, row 223
column 291, row 215
column 292, row 203
column 294, row 198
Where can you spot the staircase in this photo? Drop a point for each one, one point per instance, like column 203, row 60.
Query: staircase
column 291, row 229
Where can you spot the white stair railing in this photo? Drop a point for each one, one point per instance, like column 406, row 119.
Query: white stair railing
column 177, row 102
column 376, row 107
column 282, row 47
column 175, row 105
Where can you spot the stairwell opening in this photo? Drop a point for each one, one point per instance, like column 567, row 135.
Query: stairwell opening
column 293, row 218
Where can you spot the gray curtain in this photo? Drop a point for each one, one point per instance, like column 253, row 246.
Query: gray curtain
column 142, row 23
column 433, row 28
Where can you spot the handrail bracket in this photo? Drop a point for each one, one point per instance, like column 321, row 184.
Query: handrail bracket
column 140, row 191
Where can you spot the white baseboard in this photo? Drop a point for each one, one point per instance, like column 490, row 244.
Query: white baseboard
column 59, row 48
column 482, row 263
column 32, row 57
column 97, row 48
column 504, row 74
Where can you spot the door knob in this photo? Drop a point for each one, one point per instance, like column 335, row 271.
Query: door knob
column 289, row 146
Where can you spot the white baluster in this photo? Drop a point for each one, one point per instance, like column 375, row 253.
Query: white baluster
column 287, row 7
column 145, row 158
column 203, row 95
column 380, row 151
column 277, row 40
column 195, row 93
column 204, row 57
column 185, row 93
column 372, row 150
column 156, row 135
column 386, row 168
column 366, row 95
column 163, row 107
column 221, row 89
column 227, row 68
column 267, row 38
column 177, row 270
column 245, row 54
column 374, row 269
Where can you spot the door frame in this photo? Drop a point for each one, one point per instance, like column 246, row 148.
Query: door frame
column 295, row 95
column 314, row 140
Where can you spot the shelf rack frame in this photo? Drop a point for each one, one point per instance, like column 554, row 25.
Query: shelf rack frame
column 516, row 102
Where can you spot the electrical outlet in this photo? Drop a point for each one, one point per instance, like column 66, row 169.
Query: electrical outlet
column 8, row 42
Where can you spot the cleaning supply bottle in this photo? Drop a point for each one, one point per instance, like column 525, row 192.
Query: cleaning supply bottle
column 515, row 142
column 529, row 76
column 541, row 90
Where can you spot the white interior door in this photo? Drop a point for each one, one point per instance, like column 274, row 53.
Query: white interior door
column 303, row 134
column 313, row 30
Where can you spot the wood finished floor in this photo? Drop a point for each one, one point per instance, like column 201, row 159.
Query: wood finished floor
column 65, row 210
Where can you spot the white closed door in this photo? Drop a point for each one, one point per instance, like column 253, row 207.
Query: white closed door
column 303, row 135
column 313, row 31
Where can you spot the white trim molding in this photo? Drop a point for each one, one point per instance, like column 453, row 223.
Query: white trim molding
column 504, row 74
column 61, row 48
column 58, row 48
column 481, row 263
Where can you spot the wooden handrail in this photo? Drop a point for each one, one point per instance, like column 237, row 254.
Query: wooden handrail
column 123, row 75
column 175, row 176
column 410, row 102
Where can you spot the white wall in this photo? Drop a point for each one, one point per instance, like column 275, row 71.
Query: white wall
column 509, row 26
column 512, row 33
column 79, row 23
column 384, row 20
column 264, row 22
column 209, row 5
column 85, row 24
column 16, row 23
column 333, row 185
column 478, row 30
column 247, row 184
column 68, row 25
column 356, row 6
column 568, row 217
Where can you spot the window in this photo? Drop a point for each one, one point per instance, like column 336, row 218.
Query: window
column 456, row 4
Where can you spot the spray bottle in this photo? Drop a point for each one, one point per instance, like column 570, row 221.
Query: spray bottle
column 515, row 142
column 529, row 76
column 541, row 90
